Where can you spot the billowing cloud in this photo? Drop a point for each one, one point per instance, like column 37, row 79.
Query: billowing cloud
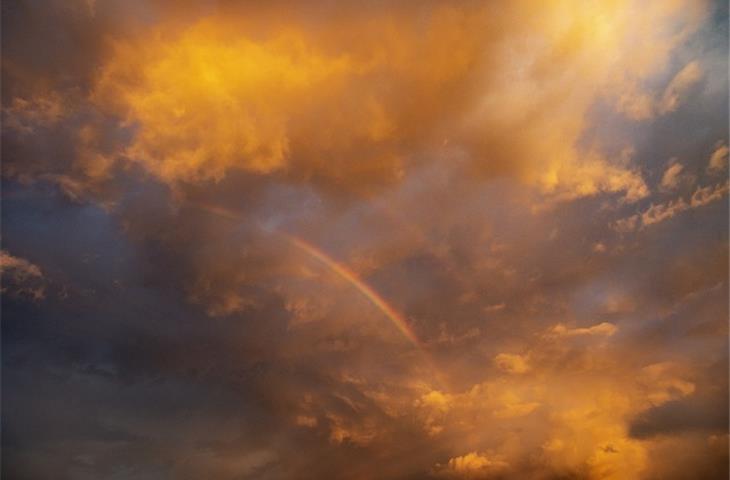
column 433, row 240
column 352, row 98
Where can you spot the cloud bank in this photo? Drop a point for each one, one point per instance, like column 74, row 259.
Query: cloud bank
column 433, row 240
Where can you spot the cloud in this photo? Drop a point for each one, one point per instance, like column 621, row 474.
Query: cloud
column 306, row 421
column 435, row 399
column 627, row 224
column 18, row 267
column 663, row 211
column 269, row 112
column 657, row 213
column 602, row 329
column 637, row 105
column 471, row 465
column 599, row 247
column 680, row 84
column 672, row 176
column 513, row 406
column 21, row 277
column 512, row 363
column 358, row 433
column 333, row 102
column 641, row 105
column 706, row 195
column 467, row 162
column 679, row 416
column 718, row 159
column 26, row 115
column 665, row 383
column 574, row 421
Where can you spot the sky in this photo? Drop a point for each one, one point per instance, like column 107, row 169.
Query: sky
column 364, row 240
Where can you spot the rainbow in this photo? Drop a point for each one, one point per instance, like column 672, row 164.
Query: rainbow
column 341, row 270
column 361, row 287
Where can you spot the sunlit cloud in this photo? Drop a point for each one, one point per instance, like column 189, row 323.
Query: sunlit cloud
column 464, row 240
column 718, row 159
column 21, row 277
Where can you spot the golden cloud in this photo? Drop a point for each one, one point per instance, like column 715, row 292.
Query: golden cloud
column 718, row 159
column 355, row 102
column 602, row 329
column 672, row 176
column 660, row 212
column 471, row 465
column 512, row 363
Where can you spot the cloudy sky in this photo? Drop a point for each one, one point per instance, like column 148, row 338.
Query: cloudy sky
column 364, row 240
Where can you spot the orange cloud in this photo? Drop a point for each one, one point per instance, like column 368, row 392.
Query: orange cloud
column 210, row 98
column 244, row 109
column 512, row 363
column 602, row 329
column 471, row 465
column 314, row 102
column 718, row 159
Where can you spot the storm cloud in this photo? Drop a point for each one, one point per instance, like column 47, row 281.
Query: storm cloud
column 399, row 240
